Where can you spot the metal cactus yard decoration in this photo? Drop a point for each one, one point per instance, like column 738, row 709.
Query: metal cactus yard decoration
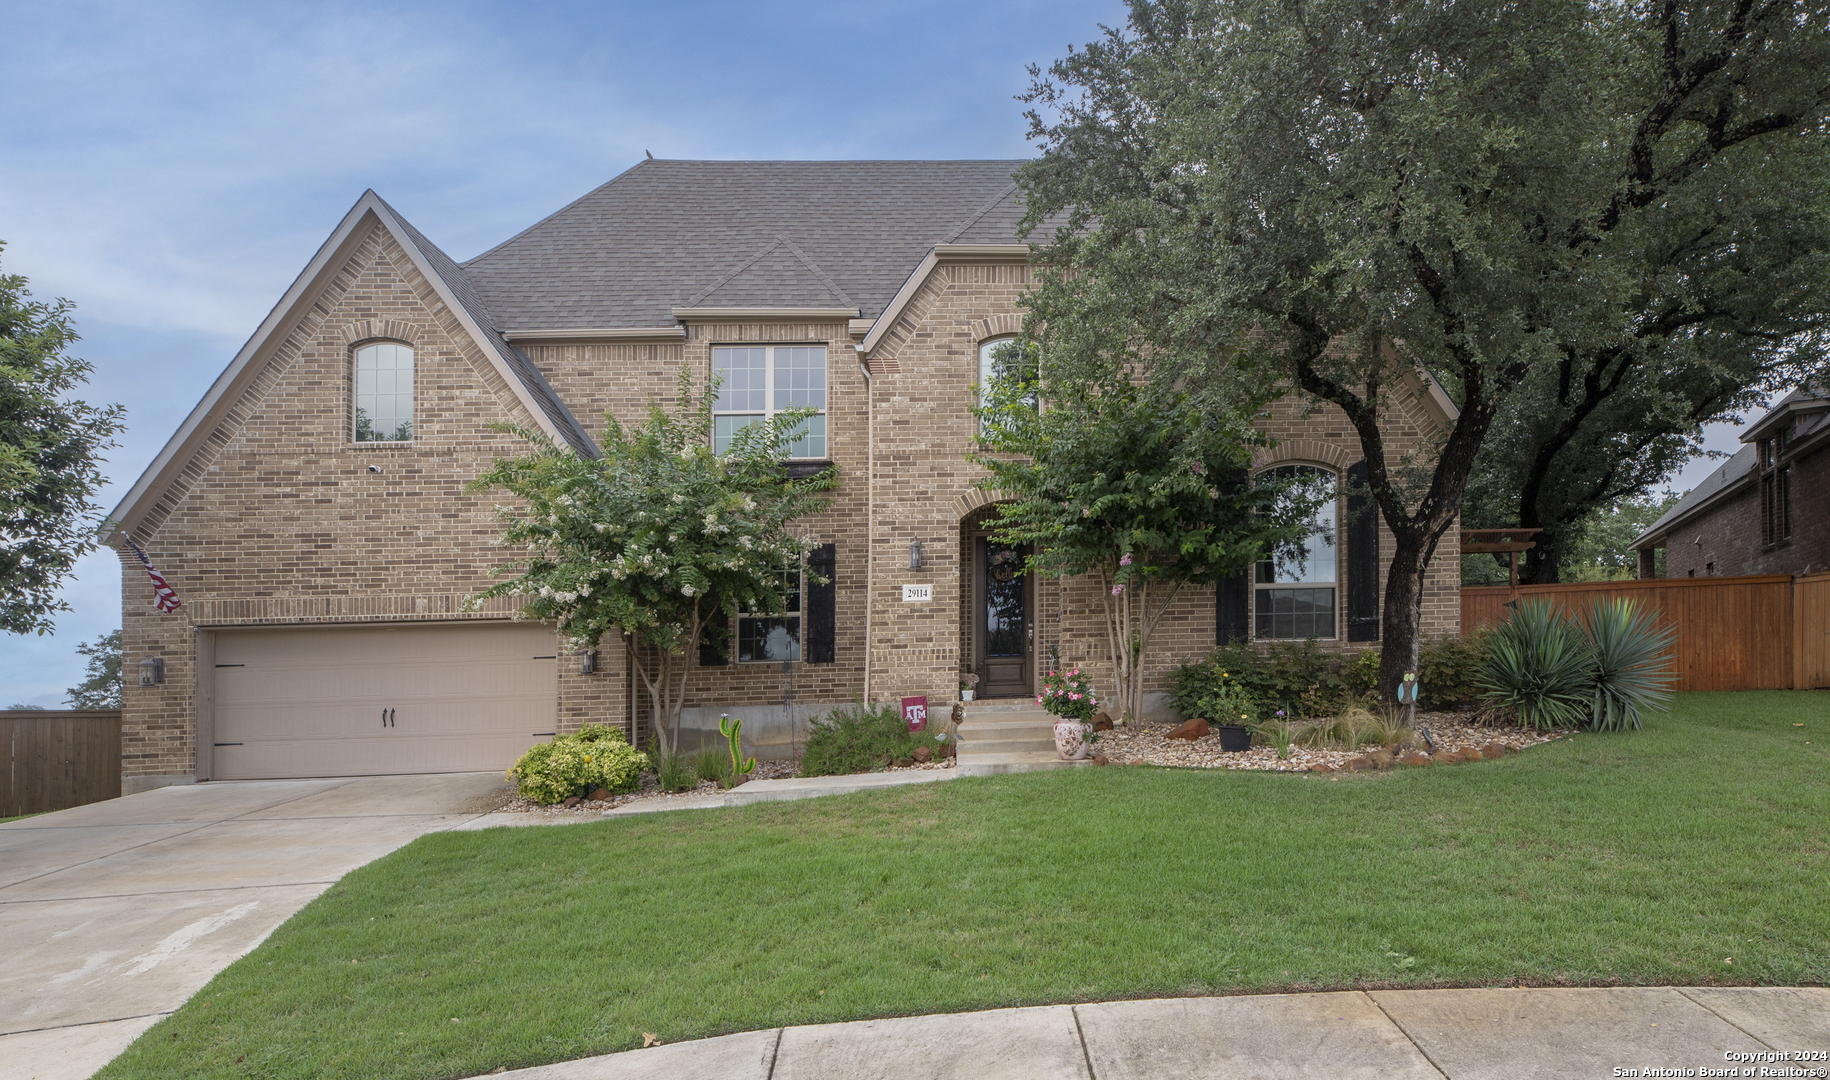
column 732, row 729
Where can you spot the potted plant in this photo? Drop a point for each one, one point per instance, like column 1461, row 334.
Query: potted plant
column 967, row 682
column 1233, row 714
column 1069, row 695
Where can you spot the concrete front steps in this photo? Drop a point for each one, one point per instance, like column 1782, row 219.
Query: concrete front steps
column 1008, row 736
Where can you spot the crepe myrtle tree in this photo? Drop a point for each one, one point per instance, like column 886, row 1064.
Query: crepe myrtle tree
column 658, row 539
column 1517, row 198
column 1143, row 485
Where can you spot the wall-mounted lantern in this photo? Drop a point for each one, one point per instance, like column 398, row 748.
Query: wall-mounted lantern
column 152, row 671
column 914, row 554
column 587, row 662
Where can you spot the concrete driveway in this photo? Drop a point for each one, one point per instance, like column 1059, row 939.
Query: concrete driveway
column 113, row 914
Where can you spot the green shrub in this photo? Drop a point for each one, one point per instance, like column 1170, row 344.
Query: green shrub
column 859, row 738
column 1449, row 669
column 575, row 764
column 1601, row 672
column 1228, row 705
column 1631, row 674
column 1300, row 679
column 1360, row 676
column 1540, row 666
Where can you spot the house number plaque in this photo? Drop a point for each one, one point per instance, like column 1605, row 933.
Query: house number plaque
column 917, row 594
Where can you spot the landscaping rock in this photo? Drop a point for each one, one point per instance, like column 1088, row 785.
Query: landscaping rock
column 1102, row 722
column 1412, row 757
column 1494, row 750
column 950, row 750
column 572, row 800
column 923, row 754
column 1321, row 766
column 1473, row 753
column 903, row 762
column 1100, row 759
column 1382, row 758
column 1189, row 730
column 602, row 794
column 1360, row 764
column 1448, row 757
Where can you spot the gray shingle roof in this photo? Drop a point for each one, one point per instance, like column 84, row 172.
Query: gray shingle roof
column 462, row 288
column 671, row 234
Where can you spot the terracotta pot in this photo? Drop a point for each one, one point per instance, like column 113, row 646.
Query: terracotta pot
column 1071, row 738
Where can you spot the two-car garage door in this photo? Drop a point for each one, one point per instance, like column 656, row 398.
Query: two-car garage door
column 371, row 700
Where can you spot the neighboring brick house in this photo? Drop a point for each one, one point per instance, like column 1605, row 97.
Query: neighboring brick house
column 311, row 511
column 1765, row 511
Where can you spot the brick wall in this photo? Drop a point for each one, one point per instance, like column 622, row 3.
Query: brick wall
column 1730, row 539
column 278, row 520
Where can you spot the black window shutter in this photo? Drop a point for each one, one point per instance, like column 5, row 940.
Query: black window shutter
column 1234, row 609
column 821, row 609
column 1362, row 558
column 1233, row 602
column 713, row 638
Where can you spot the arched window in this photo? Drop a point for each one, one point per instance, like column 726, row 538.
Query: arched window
column 1293, row 592
column 988, row 368
column 384, row 393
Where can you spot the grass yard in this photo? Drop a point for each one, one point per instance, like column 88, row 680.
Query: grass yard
column 1643, row 858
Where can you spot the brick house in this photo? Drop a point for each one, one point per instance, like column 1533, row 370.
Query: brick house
column 311, row 510
column 1765, row 511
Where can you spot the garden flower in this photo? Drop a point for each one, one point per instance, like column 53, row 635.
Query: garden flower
column 1126, row 561
column 1118, row 590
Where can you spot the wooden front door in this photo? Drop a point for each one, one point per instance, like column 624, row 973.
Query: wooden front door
column 1002, row 625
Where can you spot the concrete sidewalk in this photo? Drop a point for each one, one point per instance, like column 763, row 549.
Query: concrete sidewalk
column 1375, row 1035
column 756, row 791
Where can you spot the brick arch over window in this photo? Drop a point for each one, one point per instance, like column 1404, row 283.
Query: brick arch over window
column 996, row 326
column 1304, row 452
column 364, row 331
column 973, row 501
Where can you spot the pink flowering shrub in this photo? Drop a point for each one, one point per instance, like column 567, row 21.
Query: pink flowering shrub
column 1068, row 694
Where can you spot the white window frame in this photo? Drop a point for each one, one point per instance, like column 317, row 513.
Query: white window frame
column 817, row 433
column 794, row 617
column 1261, row 587
column 356, row 392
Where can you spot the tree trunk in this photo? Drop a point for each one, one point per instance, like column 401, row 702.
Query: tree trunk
column 1403, row 615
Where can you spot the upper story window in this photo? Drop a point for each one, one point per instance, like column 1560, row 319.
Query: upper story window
column 988, row 369
column 1293, row 593
column 758, row 381
column 384, row 393
column 1775, row 490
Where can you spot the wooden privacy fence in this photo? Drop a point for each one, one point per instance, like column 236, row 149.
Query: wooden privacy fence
column 1770, row 632
column 58, row 758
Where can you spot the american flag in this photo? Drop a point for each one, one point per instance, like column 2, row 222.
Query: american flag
column 167, row 596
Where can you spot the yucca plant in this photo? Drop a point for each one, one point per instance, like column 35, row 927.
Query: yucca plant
column 1541, row 666
column 1631, row 672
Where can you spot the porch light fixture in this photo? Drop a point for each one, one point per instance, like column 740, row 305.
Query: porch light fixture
column 152, row 671
column 914, row 554
column 587, row 662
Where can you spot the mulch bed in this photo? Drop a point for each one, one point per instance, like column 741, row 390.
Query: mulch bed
column 1148, row 746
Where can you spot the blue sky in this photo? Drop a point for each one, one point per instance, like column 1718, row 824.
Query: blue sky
column 170, row 167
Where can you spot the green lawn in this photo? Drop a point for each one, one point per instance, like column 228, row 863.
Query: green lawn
column 1642, row 858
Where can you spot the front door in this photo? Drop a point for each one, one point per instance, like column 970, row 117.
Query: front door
column 1002, row 631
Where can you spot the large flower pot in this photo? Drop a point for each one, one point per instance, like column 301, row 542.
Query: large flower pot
column 965, row 695
column 1071, row 738
column 1233, row 737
